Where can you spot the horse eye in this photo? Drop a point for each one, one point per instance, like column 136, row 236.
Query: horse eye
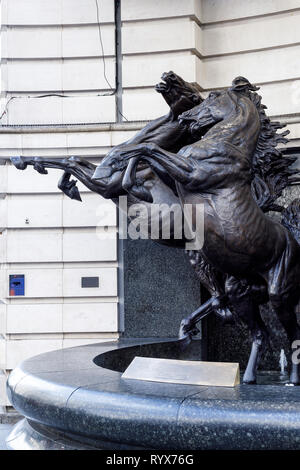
column 214, row 94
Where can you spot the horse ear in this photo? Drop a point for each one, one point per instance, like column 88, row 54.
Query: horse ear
column 242, row 84
column 233, row 96
column 196, row 98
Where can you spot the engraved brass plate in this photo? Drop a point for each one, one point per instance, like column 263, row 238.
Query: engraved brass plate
column 216, row 374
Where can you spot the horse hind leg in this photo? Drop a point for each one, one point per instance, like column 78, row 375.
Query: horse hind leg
column 283, row 281
column 285, row 308
column 260, row 340
column 209, row 278
column 245, row 305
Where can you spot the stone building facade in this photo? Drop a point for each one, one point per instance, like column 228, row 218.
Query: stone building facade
column 77, row 78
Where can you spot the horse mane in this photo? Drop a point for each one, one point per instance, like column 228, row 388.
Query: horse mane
column 271, row 169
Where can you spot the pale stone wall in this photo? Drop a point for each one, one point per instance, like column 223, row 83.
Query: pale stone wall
column 211, row 42
column 53, row 48
column 53, row 85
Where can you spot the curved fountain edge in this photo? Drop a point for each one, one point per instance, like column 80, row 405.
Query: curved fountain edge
column 71, row 401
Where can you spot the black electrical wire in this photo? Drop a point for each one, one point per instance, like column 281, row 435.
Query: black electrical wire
column 113, row 90
column 102, row 49
column 103, row 58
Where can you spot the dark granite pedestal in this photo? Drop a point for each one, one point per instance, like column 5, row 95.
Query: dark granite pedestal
column 76, row 399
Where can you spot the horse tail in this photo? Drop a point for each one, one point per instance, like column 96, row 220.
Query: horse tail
column 291, row 219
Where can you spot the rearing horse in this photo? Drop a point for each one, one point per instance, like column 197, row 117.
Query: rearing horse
column 240, row 240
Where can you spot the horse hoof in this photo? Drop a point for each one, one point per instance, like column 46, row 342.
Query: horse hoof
column 294, row 381
column 19, row 163
column 194, row 331
column 185, row 342
column 40, row 168
column 75, row 194
column 249, row 381
column 182, row 333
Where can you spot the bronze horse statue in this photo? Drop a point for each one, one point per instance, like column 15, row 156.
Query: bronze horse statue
column 222, row 154
column 246, row 245
column 166, row 131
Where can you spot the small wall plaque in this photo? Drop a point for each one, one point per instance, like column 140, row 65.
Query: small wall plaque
column 16, row 284
column 89, row 282
column 216, row 374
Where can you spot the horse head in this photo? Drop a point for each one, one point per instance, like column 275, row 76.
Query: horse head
column 226, row 113
column 178, row 94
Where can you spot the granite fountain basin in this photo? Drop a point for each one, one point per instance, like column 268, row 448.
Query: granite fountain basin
column 75, row 398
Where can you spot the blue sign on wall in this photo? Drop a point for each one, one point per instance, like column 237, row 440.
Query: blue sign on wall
column 16, row 284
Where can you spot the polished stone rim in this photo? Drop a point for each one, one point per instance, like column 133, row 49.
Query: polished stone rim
column 79, row 393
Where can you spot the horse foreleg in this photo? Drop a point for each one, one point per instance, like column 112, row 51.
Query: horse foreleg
column 81, row 169
column 129, row 180
column 178, row 168
column 68, row 186
column 40, row 164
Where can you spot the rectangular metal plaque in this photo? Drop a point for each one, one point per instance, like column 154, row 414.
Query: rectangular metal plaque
column 216, row 374
column 89, row 282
